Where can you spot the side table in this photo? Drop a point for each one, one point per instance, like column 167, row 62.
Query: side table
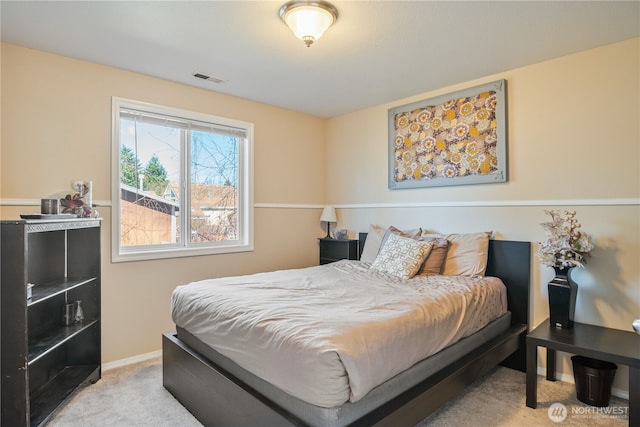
column 611, row 345
column 332, row 250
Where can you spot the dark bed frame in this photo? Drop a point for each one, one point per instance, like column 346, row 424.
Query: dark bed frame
column 217, row 398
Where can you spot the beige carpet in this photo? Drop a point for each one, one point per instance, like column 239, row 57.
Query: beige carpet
column 134, row 396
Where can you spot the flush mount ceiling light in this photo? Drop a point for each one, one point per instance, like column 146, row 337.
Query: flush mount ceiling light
column 308, row 19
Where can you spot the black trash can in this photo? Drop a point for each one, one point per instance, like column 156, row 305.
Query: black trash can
column 594, row 379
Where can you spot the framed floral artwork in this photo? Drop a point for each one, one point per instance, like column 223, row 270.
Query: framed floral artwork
column 453, row 139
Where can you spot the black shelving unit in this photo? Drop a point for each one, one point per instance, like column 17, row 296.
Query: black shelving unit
column 45, row 361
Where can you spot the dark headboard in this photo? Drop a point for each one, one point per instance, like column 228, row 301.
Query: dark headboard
column 362, row 237
column 511, row 262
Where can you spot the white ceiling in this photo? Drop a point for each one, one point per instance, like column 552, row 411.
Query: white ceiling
column 377, row 52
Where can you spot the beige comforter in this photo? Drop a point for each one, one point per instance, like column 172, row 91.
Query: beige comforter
column 331, row 333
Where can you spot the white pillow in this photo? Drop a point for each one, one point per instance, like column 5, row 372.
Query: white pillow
column 467, row 254
column 401, row 256
column 372, row 244
column 377, row 236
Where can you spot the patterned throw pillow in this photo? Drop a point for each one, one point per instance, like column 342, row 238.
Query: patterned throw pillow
column 378, row 236
column 401, row 256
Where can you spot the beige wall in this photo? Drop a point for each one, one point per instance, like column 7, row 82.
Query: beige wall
column 573, row 137
column 56, row 127
column 573, row 143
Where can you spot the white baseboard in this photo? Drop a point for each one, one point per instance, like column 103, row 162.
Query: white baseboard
column 131, row 360
column 568, row 378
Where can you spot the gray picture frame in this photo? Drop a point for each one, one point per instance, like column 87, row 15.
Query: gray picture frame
column 416, row 161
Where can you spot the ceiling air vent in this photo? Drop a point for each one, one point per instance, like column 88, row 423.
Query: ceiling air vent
column 209, row 78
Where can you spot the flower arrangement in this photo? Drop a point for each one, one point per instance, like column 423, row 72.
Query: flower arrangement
column 80, row 201
column 565, row 246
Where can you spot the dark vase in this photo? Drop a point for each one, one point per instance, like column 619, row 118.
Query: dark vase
column 563, row 292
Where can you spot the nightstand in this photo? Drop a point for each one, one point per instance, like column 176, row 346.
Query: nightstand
column 332, row 250
column 611, row 345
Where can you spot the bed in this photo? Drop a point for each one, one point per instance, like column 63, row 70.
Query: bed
column 220, row 391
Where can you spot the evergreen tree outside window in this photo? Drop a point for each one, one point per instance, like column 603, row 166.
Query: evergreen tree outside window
column 155, row 176
column 182, row 183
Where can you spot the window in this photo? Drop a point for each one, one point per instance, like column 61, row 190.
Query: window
column 182, row 183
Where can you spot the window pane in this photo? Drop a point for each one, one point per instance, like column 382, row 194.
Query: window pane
column 214, row 187
column 182, row 181
column 149, row 164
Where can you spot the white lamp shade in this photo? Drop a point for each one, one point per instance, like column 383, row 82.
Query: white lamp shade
column 329, row 214
column 308, row 21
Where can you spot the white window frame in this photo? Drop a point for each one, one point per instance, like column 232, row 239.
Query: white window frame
column 245, row 189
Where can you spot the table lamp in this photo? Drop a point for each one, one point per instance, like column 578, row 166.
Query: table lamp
column 329, row 216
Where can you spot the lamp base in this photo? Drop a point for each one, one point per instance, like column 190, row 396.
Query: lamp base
column 328, row 236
